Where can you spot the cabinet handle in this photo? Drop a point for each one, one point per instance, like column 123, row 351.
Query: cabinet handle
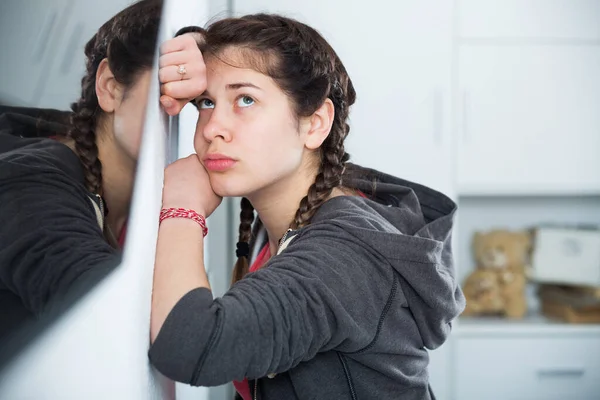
column 438, row 115
column 465, row 116
column 42, row 43
column 71, row 49
column 560, row 373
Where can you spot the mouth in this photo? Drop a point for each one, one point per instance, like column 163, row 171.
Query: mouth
column 218, row 162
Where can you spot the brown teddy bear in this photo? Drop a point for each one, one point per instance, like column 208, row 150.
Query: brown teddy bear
column 497, row 285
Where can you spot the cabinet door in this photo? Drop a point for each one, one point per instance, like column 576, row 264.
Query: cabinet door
column 398, row 55
column 565, row 20
column 30, row 32
column 529, row 121
column 528, row 368
column 63, row 85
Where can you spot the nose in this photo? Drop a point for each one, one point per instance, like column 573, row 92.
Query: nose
column 216, row 126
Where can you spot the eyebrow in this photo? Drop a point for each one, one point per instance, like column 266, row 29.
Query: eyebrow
column 238, row 85
column 234, row 86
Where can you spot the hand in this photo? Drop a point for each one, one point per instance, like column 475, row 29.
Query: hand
column 177, row 90
column 187, row 185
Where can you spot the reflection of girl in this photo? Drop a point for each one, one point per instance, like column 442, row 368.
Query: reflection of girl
column 65, row 201
column 351, row 276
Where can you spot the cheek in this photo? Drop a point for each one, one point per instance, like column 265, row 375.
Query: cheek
column 128, row 129
column 200, row 144
column 274, row 150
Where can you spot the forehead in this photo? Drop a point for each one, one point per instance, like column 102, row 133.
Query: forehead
column 234, row 63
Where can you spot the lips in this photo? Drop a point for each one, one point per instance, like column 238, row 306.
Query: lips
column 218, row 162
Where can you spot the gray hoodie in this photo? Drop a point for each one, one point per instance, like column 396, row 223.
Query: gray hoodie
column 346, row 311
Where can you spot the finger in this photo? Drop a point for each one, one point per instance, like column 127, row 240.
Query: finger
column 177, row 106
column 171, row 74
column 177, row 44
column 172, row 106
column 179, row 57
column 184, row 90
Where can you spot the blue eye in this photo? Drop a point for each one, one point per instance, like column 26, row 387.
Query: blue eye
column 245, row 101
column 205, row 103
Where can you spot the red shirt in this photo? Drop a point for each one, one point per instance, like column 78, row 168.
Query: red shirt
column 243, row 388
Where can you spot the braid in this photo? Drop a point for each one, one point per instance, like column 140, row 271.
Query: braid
column 127, row 41
column 333, row 158
column 242, row 265
column 83, row 121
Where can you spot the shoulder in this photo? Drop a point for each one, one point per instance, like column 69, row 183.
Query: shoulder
column 340, row 225
column 349, row 213
column 21, row 157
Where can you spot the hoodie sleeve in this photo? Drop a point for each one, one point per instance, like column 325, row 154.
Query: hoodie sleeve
column 49, row 234
column 273, row 319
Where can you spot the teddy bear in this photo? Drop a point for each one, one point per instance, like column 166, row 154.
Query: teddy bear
column 497, row 284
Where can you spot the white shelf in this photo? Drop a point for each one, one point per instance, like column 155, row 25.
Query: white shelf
column 559, row 190
column 530, row 325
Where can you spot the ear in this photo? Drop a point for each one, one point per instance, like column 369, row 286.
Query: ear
column 108, row 90
column 320, row 125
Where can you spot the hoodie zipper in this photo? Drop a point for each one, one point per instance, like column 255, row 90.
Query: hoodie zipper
column 101, row 202
column 282, row 241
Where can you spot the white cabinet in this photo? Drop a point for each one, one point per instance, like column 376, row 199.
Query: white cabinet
column 30, row 31
column 527, row 97
column 528, row 368
column 529, row 120
column 398, row 55
column 566, row 20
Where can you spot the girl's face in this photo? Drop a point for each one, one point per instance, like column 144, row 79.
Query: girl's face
column 247, row 136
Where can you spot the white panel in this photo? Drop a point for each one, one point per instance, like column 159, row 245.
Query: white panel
column 61, row 77
column 440, row 370
column 529, row 119
column 542, row 19
column 218, row 9
column 30, row 32
column 98, row 350
column 539, row 368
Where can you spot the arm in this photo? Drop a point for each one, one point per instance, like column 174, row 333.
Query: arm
column 275, row 318
column 48, row 232
column 179, row 267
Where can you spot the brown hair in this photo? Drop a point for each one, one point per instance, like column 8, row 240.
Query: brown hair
column 128, row 40
column 309, row 71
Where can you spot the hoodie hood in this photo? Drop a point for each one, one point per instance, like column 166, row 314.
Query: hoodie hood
column 33, row 122
column 410, row 225
column 24, row 134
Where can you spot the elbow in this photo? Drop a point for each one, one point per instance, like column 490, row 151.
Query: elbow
column 179, row 344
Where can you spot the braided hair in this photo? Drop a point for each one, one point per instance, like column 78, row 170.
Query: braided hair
column 128, row 41
column 309, row 71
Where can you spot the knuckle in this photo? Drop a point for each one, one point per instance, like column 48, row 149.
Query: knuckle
column 167, row 89
column 162, row 75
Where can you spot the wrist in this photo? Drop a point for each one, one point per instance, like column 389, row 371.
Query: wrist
column 185, row 213
column 187, row 205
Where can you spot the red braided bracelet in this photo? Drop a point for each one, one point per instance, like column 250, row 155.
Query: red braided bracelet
column 184, row 213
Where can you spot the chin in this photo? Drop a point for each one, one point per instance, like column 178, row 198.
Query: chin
column 227, row 187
